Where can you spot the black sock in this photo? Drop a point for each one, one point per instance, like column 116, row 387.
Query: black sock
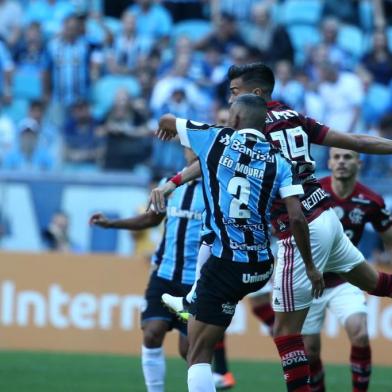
column 220, row 362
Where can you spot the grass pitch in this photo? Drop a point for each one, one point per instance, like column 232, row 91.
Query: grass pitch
column 49, row 372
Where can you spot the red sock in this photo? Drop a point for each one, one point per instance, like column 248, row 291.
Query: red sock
column 384, row 285
column 294, row 362
column 317, row 376
column 361, row 367
column 265, row 314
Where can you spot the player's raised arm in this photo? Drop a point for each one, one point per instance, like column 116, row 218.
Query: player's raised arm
column 360, row 143
column 140, row 222
column 159, row 194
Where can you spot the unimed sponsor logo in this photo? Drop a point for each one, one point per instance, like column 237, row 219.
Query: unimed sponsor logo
column 59, row 309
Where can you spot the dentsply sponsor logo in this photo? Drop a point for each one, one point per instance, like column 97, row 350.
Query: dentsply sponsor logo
column 59, row 309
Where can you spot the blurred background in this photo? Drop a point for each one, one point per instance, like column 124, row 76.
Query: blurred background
column 82, row 84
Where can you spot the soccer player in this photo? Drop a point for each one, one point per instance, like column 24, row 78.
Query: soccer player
column 173, row 271
column 294, row 133
column 242, row 175
column 355, row 205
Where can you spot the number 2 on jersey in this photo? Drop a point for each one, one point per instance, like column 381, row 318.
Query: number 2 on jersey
column 239, row 187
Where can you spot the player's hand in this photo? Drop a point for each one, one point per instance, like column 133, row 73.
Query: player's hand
column 317, row 280
column 157, row 201
column 165, row 134
column 100, row 220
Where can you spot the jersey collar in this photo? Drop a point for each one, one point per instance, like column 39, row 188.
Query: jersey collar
column 251, row 131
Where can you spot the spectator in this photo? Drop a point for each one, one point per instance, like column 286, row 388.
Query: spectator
column 82, row 145
column 31, row 59
column 6, row 71
column 152, row 20
column 169, row 157
column 269, row 38
column 336, row 55
column 128, row 47
column 28, row 154
column 287, row 89
column 7, row 135
column 177, row 78
column 224, row 36
column 342, row 94
column 11, row 19
column 378, row 61
column 73, row 64
column 127, row 135
column 230, row 7
column 56, row 237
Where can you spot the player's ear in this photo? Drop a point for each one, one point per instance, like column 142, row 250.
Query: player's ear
column 257, row 91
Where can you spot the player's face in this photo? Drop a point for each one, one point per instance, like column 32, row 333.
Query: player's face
column 344, row 164
column 237, row 88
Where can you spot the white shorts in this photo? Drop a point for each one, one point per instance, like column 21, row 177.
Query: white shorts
column 332, row 251
column 343, row 301
column 267, row 289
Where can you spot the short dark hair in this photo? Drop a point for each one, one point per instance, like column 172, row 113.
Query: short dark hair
column 254, row 73
column 254, row 109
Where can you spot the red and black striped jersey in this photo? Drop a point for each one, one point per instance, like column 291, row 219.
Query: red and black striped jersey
column 293, row 133
column 360, row 207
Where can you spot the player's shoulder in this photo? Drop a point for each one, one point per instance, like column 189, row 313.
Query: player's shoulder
column 361, row 191
column 325, row 182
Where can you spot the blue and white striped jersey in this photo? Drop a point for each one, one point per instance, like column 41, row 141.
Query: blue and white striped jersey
column 242, row 175
column 177, row 254
column 69, row 65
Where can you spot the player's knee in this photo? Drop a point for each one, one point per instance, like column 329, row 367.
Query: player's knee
column 359, row 337
column 153, row 337
column 357, row 331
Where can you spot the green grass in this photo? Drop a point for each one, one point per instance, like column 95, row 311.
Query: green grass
column 48, row 372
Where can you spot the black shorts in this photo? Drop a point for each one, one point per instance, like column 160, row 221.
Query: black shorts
column 154, row 308
column 222, row 284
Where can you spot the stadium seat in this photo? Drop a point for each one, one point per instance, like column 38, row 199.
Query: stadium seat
column 97, row 34
column 194, row 29
column 26, row 84
column 301, row 12
column 351, row 39
column 389, row 36
column 17, row 110
column 303, row 37
column 376, row 103
column 105, row 89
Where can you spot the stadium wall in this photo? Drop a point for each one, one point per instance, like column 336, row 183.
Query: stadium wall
column 91, row 303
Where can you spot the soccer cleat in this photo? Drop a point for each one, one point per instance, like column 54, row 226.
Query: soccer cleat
column 177, row 305
column 224, row 381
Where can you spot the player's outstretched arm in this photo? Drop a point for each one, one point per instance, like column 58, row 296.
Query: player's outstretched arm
column 159, row 194
column 357, row 142
column 299, row 228
column 140, row 222
column 167, row 129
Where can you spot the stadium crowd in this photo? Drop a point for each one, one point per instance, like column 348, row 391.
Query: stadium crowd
column 82, row 90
